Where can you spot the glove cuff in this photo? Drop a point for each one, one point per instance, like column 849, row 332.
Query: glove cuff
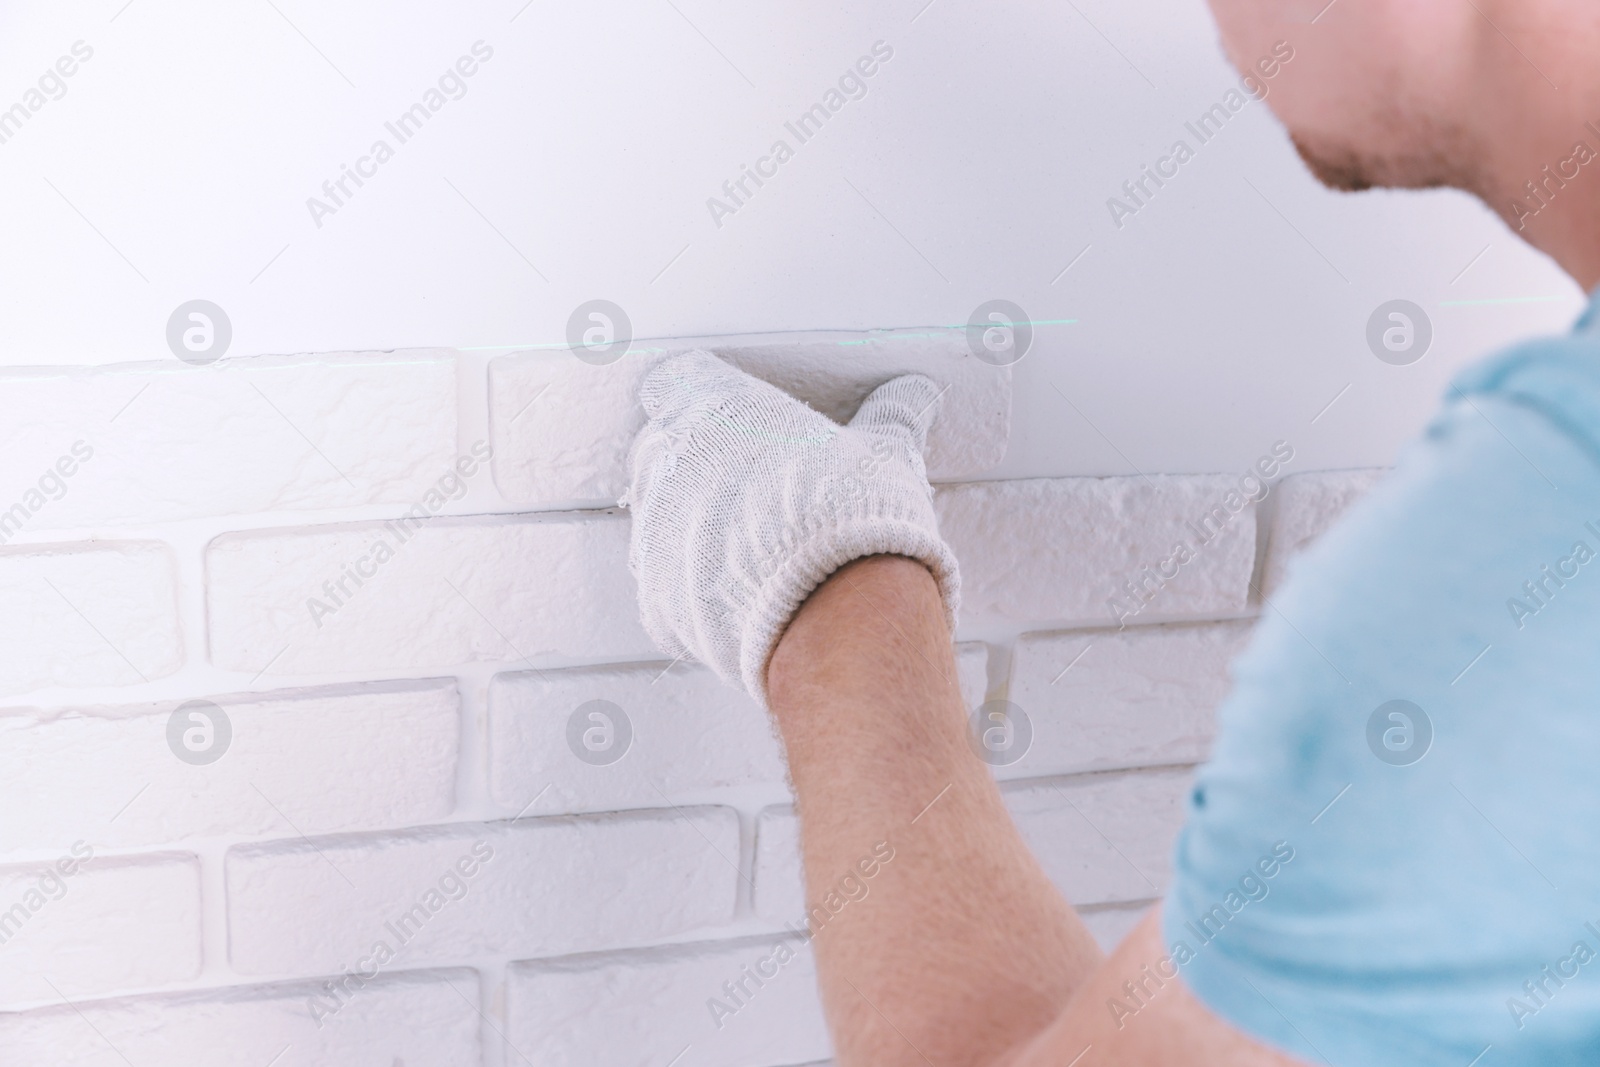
column 814, row 561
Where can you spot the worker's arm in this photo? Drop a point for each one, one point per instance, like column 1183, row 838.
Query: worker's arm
column 961, row 951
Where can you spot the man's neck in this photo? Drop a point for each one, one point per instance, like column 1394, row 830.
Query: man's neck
column 1568, row 230
column 1538, row 128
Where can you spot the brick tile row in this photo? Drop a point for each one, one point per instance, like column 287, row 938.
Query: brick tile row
column 440, row 895
column 163, row 441
column 430, row 1017
column 395, row 595
column 315, row 760
column 562, row 428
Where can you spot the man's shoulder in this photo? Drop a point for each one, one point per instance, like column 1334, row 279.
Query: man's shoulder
column 1556, row 377
column 1423, row 681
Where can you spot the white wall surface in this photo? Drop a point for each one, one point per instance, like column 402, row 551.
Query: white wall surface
column 1224, row 315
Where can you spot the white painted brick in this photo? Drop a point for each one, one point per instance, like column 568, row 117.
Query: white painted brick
column 1103, row 838
column 1111, row 926
column 780, row 891
column 171, row 441
column 972, row 669
column 551, row 886
column 690, row 731
column 1100, row 700
column 88, row 614
column 454, row 591
column 1055, row 549
column 337, row 758
column 111, row 924
column 424, row 1018
column 562, row 428
column 644, row 1009
column 1307, row 504
column 974, row 421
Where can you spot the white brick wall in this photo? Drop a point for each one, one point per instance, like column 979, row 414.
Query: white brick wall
column 88, row 614
column 74, row 927
column 572, row 884
column 424, row 1018
column 635, row 1009
column 171, row 441
column 453, row 591
column 378, row 738
column 1103, row 699
column 689, row 731
column 335, row 758
column 1307, row 505
column 1056, row 549
column 1103, row 838
column 562, row 428
column 780, row 896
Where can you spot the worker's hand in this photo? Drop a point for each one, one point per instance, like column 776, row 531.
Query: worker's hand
column 744, row 500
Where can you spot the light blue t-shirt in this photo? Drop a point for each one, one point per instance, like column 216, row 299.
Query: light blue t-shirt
column 1340, row 898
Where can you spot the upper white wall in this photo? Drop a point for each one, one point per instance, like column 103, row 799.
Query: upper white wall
column 1224, row 315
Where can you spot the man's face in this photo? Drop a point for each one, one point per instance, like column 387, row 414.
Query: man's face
column 1370, row 95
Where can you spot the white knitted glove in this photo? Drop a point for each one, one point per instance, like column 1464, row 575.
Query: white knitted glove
column 745, row 500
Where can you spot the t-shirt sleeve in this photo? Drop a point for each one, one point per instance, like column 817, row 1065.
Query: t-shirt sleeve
column 1391, row 857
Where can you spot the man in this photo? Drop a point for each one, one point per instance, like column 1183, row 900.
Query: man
column 1393, row 856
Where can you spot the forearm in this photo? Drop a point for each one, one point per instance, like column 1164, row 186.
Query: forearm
column 962, row 948
column 939, row 940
